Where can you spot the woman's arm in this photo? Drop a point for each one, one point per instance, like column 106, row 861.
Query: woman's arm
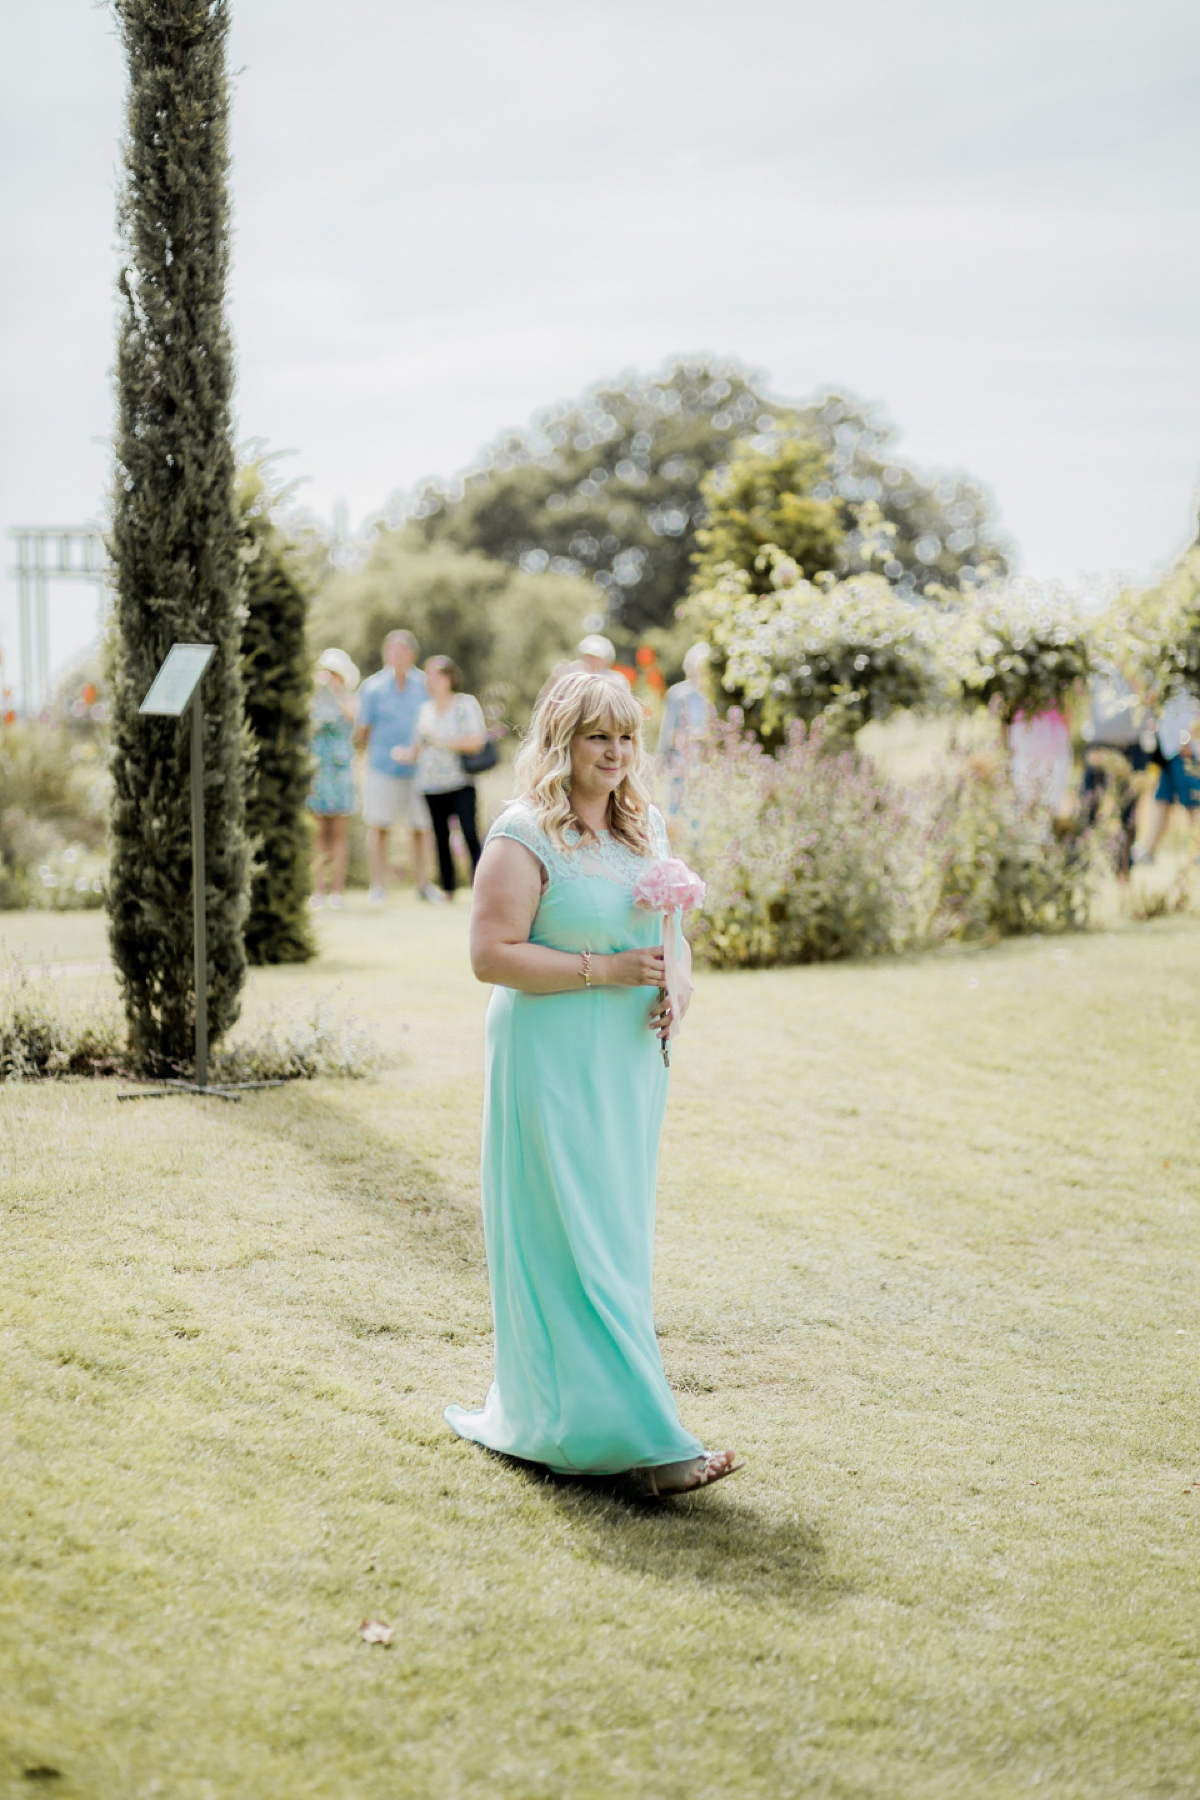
column 477, row 734
column 508, row 891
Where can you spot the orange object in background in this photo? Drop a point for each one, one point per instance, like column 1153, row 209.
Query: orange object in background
column 625, row 670
column 89, row 693
column 646, row 658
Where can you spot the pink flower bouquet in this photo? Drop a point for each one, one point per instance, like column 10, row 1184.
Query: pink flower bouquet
column 670, row 887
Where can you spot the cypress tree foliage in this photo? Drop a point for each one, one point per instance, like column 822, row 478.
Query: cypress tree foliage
column 175, row 532
column 277, row 672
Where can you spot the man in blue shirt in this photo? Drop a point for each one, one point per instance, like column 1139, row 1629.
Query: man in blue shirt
column 387, row 718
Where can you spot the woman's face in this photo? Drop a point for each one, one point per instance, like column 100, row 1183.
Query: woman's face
column 438, row 683
column 600, row 759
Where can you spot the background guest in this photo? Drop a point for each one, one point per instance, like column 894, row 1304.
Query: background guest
column 450, row 725
column 1178, row 784
column 387, row 720
column 1115, row 727
column 1040, row 752
column 687, row 708
column 332, row 796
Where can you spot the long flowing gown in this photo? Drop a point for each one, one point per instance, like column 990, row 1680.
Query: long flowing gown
column 574, row 1095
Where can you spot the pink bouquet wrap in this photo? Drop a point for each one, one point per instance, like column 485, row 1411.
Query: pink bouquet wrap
column 670, row 887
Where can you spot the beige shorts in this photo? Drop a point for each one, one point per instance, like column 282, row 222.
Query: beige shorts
column 391, row 800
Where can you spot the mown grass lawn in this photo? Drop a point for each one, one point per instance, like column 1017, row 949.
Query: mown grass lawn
column 929, row 1249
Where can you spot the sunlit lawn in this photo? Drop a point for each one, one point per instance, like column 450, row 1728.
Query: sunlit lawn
column 929, row 1255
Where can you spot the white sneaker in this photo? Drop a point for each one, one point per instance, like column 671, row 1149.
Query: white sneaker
column 377, row 896
column 316, row 902
column 429, row 892
column 337, row 901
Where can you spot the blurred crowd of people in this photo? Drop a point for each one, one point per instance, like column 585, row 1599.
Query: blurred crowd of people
column 1127, row 742
column 424, row 744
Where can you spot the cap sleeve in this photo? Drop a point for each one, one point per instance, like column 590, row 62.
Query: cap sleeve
column 517, row 822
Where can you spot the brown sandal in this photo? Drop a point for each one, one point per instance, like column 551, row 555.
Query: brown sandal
column 716, row 1464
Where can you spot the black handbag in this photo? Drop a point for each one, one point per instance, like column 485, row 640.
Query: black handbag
column 480, row 760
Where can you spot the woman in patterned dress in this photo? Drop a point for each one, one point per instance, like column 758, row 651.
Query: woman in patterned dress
column 332, row 796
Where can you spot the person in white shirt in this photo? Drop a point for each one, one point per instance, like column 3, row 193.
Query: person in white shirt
column 450, row 725
column 1178, row 784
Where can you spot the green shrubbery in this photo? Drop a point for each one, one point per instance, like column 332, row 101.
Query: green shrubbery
column 277, row 675
column 809, row 856
column 53, row 800
column 504, row 627
column 46, row 1035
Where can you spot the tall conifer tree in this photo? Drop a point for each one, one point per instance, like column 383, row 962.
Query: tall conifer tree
column 175, row 531
column 277, row 671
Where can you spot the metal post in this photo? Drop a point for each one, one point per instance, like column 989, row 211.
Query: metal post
column 41, row 629
column 23, row 625
column 201, row 948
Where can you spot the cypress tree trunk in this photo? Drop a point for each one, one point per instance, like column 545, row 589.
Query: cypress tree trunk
column 174, row 533
column 277, row 671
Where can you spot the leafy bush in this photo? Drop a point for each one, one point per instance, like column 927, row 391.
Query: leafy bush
column 809, row 856
column 845, row 651
column 277, row 679
column 41, row 1038
column 45, row 1035
column 1005, row 867
column 761, row 501
column 1154, row 635
column 1026, row 647
column 297, row 1049
column 53, row 799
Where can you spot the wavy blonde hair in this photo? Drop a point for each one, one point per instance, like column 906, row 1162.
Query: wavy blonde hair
column 575, row 703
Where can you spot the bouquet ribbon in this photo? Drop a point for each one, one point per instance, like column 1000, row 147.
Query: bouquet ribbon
column 669, row 887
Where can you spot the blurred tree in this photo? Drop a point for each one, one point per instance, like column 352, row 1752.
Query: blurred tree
column 175, row 532
column 764, row 496
column 505, row 628
column 277, row 673
column 609, row 487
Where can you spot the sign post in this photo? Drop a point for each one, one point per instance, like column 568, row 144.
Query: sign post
column 173, row 690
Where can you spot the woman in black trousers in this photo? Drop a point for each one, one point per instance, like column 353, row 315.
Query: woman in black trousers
column 450, row 725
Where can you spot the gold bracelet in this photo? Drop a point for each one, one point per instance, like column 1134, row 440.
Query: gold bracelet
column 586, row 971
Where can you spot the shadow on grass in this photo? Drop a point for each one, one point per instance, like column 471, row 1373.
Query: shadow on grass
column 700, row 1538
column 375, row 1169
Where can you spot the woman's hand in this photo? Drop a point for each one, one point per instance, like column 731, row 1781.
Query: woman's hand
column 406, row 753
column 632, row 968
column 660, row 1017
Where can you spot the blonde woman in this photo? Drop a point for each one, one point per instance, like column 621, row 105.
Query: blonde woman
column 573, row 1107
column 332, row 798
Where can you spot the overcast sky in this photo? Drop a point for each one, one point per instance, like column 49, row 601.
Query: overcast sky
column 982, row 213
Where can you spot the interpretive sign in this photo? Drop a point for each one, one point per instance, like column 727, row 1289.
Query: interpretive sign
column 178, row 679
column 176, row 686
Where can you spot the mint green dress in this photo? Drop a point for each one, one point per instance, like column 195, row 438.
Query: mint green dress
column 574, row 1095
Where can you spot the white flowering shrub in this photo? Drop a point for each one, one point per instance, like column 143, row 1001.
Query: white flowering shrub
column 1022, row 646
column 1154, row 636
column 846, row 651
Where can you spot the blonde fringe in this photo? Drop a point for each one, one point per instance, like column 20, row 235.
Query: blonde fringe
column 579, row 702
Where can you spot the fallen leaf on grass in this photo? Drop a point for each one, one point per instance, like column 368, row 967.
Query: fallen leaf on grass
column 374, row 1631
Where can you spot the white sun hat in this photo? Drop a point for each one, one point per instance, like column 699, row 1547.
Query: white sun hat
column 338, row 663
column 598, row 646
